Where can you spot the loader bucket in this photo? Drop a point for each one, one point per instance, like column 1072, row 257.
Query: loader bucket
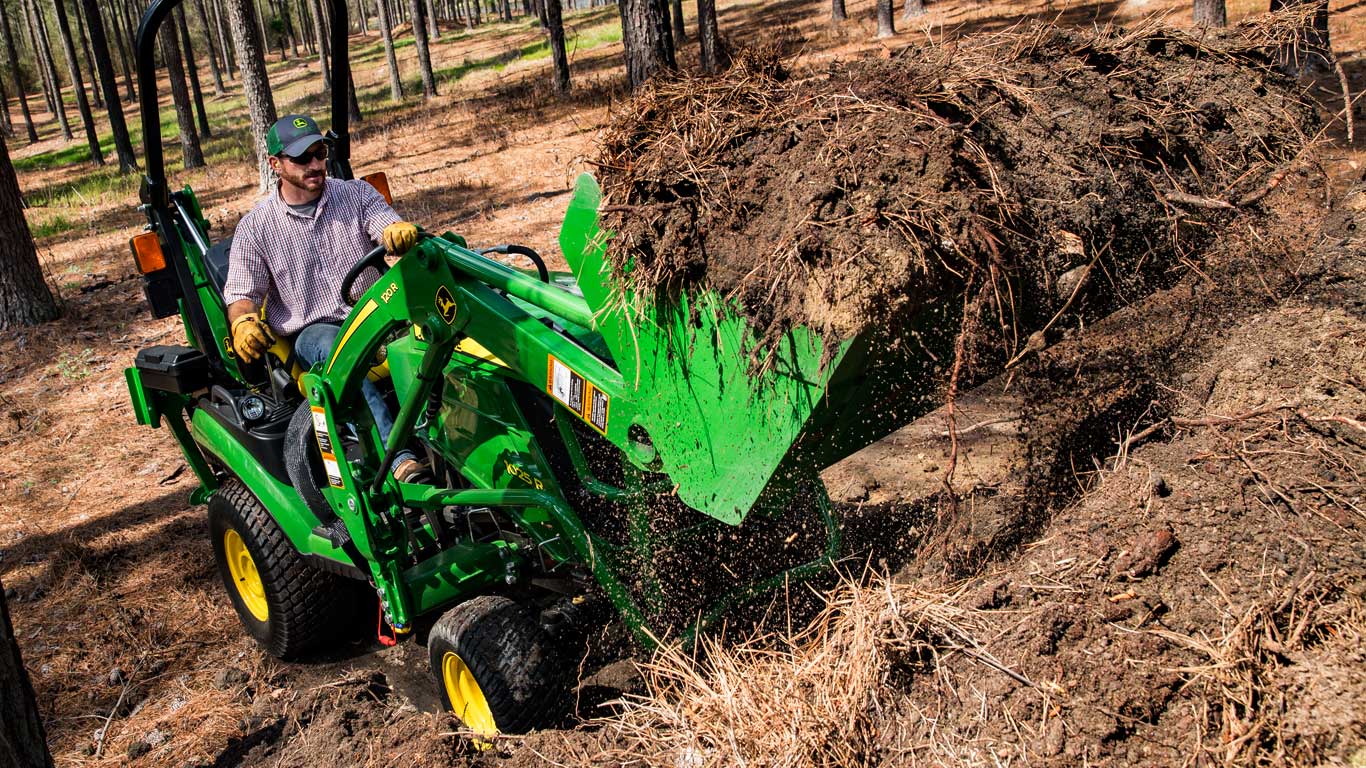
column 725, row 429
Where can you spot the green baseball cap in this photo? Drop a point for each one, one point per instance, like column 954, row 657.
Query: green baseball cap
column 292, row 135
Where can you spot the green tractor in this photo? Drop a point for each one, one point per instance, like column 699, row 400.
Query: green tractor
column 584, row 452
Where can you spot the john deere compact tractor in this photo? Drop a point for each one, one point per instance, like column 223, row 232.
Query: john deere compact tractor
column 584, row 452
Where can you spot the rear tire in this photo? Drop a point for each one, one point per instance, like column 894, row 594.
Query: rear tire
column 285, row 604
column 495, row 667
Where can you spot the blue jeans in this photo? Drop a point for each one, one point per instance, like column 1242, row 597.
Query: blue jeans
column 314, row 345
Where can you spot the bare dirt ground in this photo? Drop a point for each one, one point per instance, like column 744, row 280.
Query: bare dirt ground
column 1193, row 595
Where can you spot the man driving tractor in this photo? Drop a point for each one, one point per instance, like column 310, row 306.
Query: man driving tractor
column 292, row 251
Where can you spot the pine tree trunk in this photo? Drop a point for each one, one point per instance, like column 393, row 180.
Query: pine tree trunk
column 24, row 300
column 555, row 27
column 433, row 32
column 386, row 33
column 58, row 103
column 714, row 55
column 122, row 144
column 123, row 36
column 320, row 26
column 645, row 36
column 1209, row 13
column 18, row 74
column 6, row 121
column 424, row 59
column 95, row 92
column 916, row 8
column 885, row 24
column 837, row 12
column 352, row 103
column 191, row 153
column 229, row 56
column 364, row 13
column 680, row 33
column 192, row 68
column 213, row 49
column 251, row 63
column 74, row 69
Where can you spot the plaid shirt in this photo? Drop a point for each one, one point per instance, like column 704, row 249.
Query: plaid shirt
column 296, row 264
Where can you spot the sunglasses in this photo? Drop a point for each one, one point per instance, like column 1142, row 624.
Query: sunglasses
column 318, row 154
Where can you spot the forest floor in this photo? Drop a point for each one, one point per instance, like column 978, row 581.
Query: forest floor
column 1180, row 583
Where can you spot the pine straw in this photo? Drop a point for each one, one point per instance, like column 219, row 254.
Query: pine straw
column 820, row 697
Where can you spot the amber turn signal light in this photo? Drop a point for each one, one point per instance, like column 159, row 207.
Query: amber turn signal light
column 147, row 253
column 380, row 182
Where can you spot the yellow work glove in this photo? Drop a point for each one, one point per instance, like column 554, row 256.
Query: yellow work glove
column 250, row 337
column 399, row 237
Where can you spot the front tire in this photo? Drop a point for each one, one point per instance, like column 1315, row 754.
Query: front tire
column 494, row 666
column 286, row 605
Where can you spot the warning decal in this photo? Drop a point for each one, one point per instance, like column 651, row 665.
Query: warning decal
column 577, row 394
column 325, row 446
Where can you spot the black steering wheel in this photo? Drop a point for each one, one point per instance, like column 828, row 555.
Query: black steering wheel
column 375, row 258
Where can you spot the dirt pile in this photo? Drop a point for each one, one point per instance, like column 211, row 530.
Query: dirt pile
column 1037, row 170
column 1199, row 598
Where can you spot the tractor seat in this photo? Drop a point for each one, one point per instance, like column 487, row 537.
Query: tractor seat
column 217, row 263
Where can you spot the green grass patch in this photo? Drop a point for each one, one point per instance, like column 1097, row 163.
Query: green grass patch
column 54, row 225
column 586, row 38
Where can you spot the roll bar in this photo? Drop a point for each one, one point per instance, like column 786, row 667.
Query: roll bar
column 154, row 187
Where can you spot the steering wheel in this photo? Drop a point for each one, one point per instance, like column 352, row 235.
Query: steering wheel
column 375, row 258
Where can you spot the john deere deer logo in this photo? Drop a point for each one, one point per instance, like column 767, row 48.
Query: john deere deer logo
column 299, row 122
column 445, row 304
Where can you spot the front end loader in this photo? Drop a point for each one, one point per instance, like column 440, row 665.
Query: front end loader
column 583, row 451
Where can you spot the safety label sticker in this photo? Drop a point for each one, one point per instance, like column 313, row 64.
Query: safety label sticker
column 577, row 394
column 325, row 446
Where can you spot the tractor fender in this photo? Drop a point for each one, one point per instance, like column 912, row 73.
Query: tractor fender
column 280, row 500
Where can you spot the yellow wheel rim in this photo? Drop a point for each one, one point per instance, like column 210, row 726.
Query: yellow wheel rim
column 244, row 575
column 466, row 697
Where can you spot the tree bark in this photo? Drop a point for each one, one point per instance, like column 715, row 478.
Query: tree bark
column 95, row 91
column 645, row 36
column 56, row 102
column 251, row 63
column 555, row 27
column 364, row 15
column 229, row 58
column 18, row 74
column 6, row 120
column 123, row 145
column 192, row 68
column 213, row 48
column 320, row 26
column 916, row 8
column 424, row 59
column 837, row 11
column 429, row 12
column 352, row 103
column 73, row 66
column 885, row 24
column 679, row 32
column 1209, row 13
column 191, row 153
column 386, row 33
column 123, row 36
column 714, row 55
column 24, row 300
